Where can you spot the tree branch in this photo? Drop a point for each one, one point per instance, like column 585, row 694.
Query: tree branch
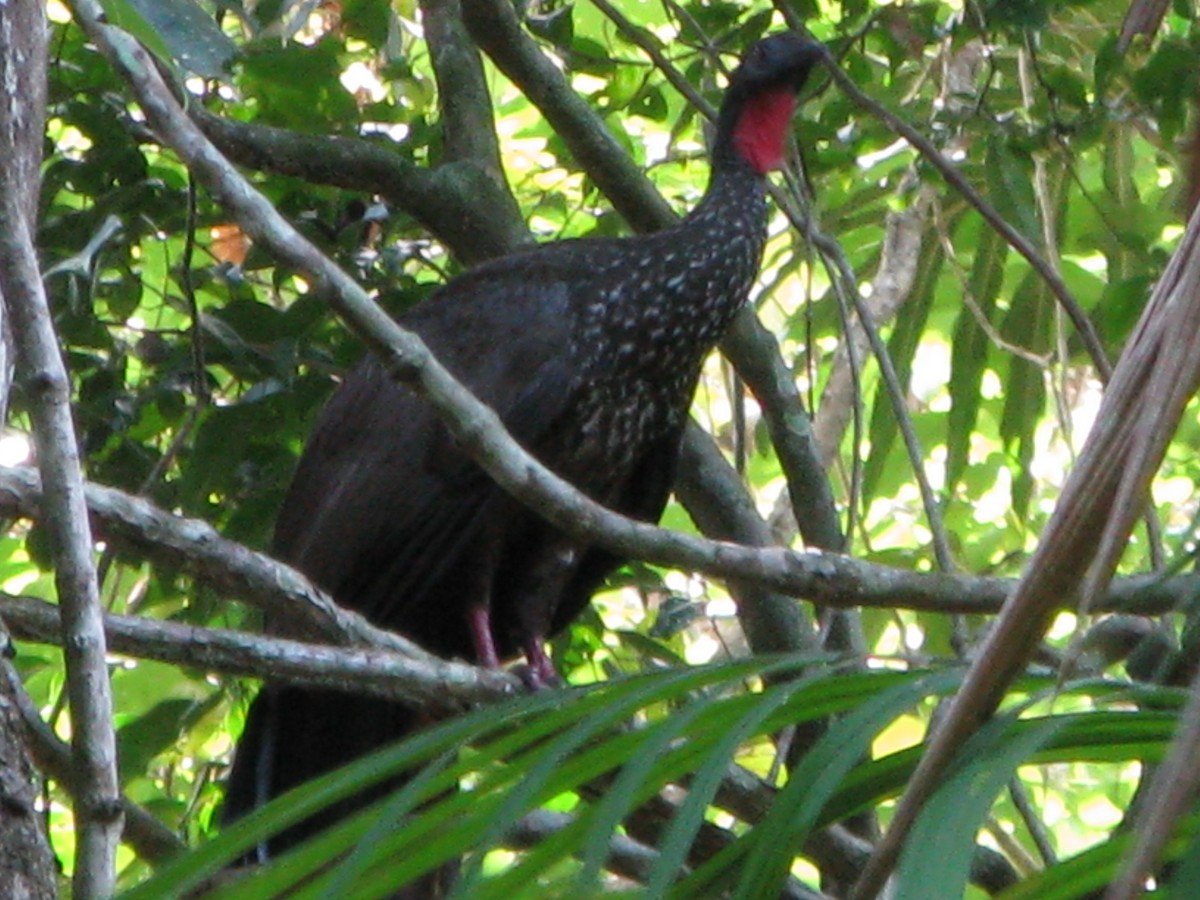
column 468, row 123
column 495, row 27
column 425, row 681
column 141, row 528
column 94, row 748
column 446, row 200
column 190, row 545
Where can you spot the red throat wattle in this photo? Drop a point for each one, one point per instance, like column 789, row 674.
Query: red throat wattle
column 761, row 131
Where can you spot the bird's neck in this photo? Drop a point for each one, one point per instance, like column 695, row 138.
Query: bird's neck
column 753, row 131
column 760, row 133
column 734, row 203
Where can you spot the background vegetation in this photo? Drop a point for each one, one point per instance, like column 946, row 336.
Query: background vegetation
column 411, row 139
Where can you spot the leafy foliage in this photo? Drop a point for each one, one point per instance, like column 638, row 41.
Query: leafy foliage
column 199, row 363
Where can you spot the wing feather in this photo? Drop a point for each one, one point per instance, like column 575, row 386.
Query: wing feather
column 384, row 504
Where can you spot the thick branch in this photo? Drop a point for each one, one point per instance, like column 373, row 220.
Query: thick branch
column 468, row 123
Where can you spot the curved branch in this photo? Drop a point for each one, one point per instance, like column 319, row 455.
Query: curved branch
column 748, row 345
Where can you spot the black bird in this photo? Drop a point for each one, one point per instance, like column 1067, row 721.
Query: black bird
column 589, row 351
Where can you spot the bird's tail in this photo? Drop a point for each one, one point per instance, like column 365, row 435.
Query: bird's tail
column 294, row 734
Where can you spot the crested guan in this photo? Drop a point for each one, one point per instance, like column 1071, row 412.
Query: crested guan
column 589, row 351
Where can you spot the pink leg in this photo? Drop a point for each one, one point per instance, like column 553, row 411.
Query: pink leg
column 541, row 668
column 480, row 620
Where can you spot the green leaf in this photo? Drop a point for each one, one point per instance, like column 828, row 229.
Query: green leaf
column 1027, row 326
column 819, row 775
column 903, row 345
column 176, row 31
column 953, row 815
column 969, row 352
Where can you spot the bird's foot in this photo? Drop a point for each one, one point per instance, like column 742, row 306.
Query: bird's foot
column 532, row 680
column 539, row 670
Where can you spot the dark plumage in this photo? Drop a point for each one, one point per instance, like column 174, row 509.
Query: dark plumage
column 589, row 351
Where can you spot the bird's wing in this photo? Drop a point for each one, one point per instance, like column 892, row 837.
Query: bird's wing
column 383, row 500
column 644, row 496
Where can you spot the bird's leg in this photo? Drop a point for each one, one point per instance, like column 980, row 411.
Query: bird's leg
column 541, row 670
column 546, row 579
column 482, row 575
column 479, row 618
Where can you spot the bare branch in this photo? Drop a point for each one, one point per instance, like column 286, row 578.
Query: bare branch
column 140, row 528
column 748, row 345
column 475, row 426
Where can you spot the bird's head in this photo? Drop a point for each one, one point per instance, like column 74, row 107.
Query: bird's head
column 761, row 98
